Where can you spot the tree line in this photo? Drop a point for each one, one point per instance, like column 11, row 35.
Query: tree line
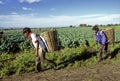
column 101, row 25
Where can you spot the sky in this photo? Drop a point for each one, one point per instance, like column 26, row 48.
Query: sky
column 57, row 13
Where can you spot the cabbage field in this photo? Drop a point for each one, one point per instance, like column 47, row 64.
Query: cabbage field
column 14, row 41
column 17, row 55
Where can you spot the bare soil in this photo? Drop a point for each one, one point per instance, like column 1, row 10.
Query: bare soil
column 103, row 71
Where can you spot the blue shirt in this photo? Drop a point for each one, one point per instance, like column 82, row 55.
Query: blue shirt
column 101, row 37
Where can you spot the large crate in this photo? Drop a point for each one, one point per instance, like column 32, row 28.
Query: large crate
column 51, row 40
column 110, row 34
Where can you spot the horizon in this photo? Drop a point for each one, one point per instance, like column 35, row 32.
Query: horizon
column 73, row 26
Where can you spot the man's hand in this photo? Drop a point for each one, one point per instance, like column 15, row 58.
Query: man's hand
column 36, row 54
column 102, row 46
column 37, row 48
column 96, row 42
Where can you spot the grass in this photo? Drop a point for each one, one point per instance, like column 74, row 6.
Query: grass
column 24, row 62
column 81, row 56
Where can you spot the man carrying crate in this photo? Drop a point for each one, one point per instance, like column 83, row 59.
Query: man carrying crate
column 40, row 48
column 102, row 40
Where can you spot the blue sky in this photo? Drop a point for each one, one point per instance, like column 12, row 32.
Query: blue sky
column 56, row 13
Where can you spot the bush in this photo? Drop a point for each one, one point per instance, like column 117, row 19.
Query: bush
column 16, row 64
column 24, row 62
column 6, row 64
column 65, row 58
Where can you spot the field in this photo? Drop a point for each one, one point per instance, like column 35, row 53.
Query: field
column 73, row 58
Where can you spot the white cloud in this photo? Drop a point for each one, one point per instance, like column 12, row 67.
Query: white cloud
column 1, row 2
column 54, row 21
column 14, row 13
column 30, row 1
column 25, row 8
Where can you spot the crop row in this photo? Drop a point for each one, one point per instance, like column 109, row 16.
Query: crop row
column 14, row 41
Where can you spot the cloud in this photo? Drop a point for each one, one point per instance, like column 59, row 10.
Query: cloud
column 1, row 2
column 25, row 8
column 29, row 1
column 14, row 13
column 16, row 20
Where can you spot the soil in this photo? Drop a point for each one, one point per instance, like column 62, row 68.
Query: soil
column 103, row 71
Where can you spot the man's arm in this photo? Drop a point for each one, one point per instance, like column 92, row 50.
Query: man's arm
column 103, row 39
column 37, row 48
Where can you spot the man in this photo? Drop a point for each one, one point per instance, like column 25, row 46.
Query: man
column 1, row 34
column 102, row 40
column 40, row 48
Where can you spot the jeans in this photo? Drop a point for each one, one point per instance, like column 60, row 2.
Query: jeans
column 41, row 58
column 103, row 51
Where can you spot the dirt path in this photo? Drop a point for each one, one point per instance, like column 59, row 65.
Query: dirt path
column 101, row 72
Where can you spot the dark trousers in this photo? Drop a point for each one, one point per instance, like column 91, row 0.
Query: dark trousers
column 41, row 58
column 103, row 51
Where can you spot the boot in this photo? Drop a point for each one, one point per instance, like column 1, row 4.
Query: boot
column 54, row 66
column 38, row 68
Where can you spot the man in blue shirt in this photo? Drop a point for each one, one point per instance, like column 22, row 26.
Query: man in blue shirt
column 102, row 40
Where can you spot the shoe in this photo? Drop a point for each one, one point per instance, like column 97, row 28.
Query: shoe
column 99, row 60
column 109, row 57
column 36, row 71
column 54, row 67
